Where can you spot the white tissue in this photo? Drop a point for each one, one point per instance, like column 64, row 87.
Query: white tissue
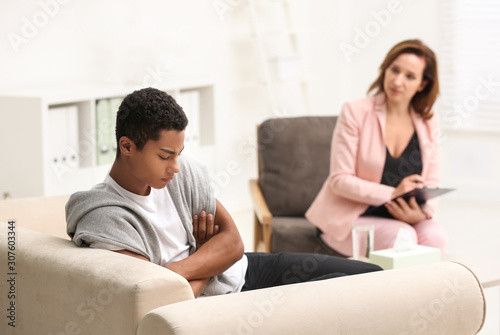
column 404, row 241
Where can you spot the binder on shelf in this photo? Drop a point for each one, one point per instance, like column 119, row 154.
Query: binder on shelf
column 190, row 103
column 106, row 147
column 114, row 104
column 72, row 149
column 62, row 136
column 102, row 128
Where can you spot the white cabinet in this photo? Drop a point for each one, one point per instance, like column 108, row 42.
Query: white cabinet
column 61, row 140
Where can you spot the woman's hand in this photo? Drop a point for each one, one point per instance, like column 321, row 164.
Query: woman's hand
column 204, row 228
column 409, row 212
column 407, row 184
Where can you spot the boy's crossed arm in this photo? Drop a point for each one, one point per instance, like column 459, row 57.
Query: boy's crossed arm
column 219, row 246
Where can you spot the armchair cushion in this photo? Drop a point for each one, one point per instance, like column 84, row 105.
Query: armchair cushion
column 295, row 234
column 294, row 161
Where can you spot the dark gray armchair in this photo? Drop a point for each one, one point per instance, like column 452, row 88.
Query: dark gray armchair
column 294, row 161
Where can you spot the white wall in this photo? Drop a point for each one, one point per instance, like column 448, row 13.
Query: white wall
column 334, row 78
column 110, row 41
column 126, row 41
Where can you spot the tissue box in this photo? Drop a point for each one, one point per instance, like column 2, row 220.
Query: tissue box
column 391, row 259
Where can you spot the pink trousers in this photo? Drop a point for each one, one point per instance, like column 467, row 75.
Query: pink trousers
column 428, row 233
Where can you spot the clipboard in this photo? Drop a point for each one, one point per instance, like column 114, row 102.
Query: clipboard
column 421, row 196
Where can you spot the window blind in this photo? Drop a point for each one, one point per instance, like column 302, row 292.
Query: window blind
column 469, row 64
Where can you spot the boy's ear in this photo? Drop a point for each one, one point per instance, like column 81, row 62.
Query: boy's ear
column 125, row 145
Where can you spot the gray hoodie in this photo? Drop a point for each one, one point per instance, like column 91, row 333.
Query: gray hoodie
column 99, row 216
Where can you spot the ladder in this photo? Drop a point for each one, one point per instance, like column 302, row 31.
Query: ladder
column 279, row 55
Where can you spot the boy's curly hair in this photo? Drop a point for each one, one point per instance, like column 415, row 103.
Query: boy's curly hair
column 145, row 113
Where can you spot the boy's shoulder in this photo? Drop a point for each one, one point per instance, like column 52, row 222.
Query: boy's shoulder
column 83, row 202
column 191, row 169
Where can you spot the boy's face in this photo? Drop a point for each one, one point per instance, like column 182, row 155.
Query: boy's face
column 156, row 164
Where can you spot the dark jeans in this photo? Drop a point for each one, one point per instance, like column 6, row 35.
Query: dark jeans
column 267, row 270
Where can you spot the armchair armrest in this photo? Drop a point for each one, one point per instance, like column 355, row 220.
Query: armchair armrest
column 62, row 288
column 442, row 298
column 262, row 219
column 261, row 210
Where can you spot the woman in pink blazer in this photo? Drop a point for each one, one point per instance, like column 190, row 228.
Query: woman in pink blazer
column 383, row 146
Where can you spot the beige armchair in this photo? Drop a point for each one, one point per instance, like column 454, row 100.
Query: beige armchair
column 62, row 289
column 293, row 163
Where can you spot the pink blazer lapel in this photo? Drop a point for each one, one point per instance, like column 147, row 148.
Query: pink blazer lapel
column 381, row 113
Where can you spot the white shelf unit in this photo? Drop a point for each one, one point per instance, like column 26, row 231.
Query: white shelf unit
column 29, row 167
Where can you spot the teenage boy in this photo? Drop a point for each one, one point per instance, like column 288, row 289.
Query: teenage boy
column 157, row 205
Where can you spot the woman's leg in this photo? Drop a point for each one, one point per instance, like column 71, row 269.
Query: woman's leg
column 431, row 234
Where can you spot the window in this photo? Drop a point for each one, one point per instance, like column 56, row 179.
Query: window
column 469, row 63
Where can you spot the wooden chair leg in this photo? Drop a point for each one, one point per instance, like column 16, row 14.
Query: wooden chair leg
column 267, row 237
column 257, row 234
column 262, row 236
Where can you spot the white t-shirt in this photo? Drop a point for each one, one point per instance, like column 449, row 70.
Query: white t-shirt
column 159, row 208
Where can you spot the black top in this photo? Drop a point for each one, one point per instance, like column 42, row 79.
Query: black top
column 395, row 169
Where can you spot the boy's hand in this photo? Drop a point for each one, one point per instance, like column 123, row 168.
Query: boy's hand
column 197, row 285
column 204, row 228
column 221, row 249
